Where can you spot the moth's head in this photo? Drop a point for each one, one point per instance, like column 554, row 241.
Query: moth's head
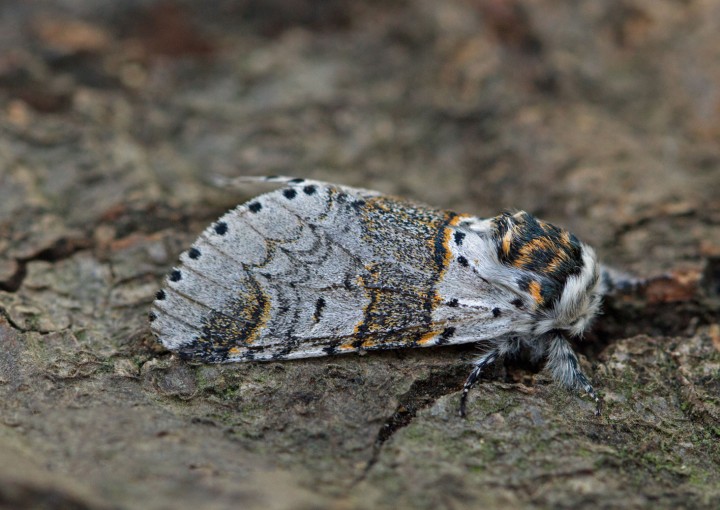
column 556, row 272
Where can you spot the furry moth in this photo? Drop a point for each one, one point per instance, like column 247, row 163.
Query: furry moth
column 318, row 269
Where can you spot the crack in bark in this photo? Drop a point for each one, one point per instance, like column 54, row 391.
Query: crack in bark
column 62, row 248
column 422, row 394
column 126, row 220
column 13, row 283
column 634, row 312
column 5, row 315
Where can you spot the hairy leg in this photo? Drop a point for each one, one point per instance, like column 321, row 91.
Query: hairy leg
column 478, row 366
column 563, row 364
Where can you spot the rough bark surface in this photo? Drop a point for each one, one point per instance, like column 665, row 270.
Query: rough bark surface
column 602, row 117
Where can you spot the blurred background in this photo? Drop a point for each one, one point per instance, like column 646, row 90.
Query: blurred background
column 594, row 115
column 601, row 117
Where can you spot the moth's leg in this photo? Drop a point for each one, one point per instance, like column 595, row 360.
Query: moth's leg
column 478, row 366
column 565, row 368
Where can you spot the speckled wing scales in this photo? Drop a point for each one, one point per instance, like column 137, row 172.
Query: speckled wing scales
column 315, row 269
column 237, row 293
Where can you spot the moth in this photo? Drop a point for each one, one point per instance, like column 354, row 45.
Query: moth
column 318, row 269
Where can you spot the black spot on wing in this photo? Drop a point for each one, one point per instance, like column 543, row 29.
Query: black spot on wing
column 319, row 307
column 221, row 228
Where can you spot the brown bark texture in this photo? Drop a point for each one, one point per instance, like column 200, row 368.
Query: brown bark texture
column 601, row 117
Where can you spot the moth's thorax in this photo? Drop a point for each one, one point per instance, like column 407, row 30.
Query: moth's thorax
column 551, row 266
